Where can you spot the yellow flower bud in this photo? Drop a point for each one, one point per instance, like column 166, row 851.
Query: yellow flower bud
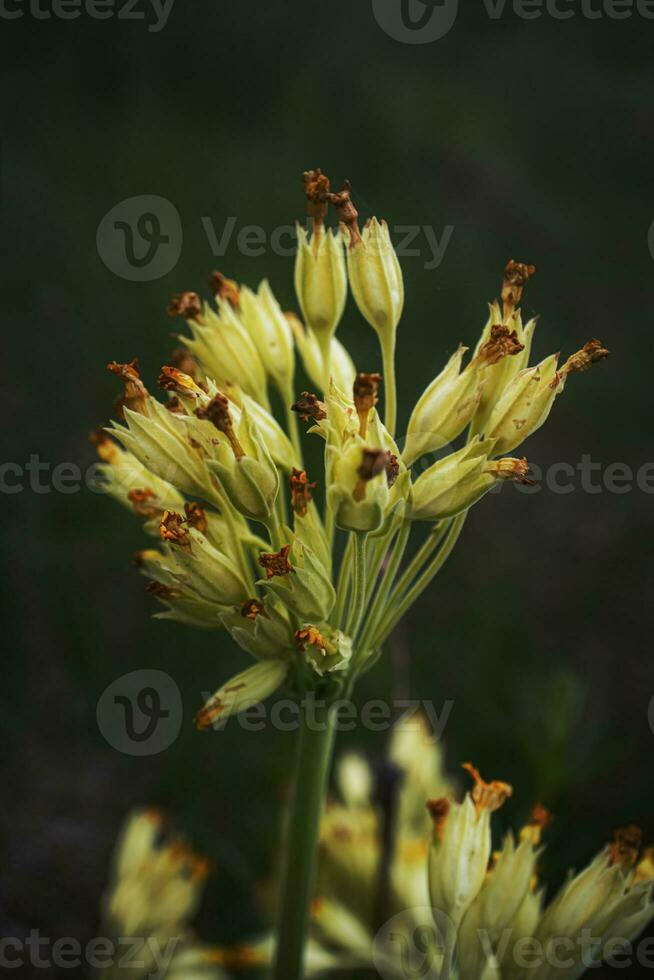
column 198, row 567
column 247, row 472
column 359, row 490
column 376, row 277
column 298, row 579
column 341, row 367
column 271, row 333
column 524, row 405
column 321, row 283
column 243, row 691
column 452, row 484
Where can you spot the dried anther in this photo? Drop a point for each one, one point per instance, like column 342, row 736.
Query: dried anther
column 625, row 847
column 144, row 502
column 276, row 562
column 172, row 379
column 364, row 391
column 172, row 529
column 511, row 469
column 438, row 811
column 105, row 447
column 196, row 517
column 252, row 608
column 224, row 288
column 135, row 393
column 309, row 636
column 309, row 406
column 590, row 353
column 501, row 343
column 162, row 591
column 316, row 189
column 488, row 796
column 217, row 411
column 301, row 492
column 187, row 304
column 392, row 468
column 347, row 213
column 516, row 276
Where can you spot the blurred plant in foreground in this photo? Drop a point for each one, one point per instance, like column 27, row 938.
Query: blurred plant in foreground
column 212, row 473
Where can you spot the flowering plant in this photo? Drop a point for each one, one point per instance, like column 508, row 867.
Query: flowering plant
column 312, row 592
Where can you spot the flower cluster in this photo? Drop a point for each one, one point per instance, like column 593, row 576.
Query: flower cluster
column 402, row 884
column 242, row 541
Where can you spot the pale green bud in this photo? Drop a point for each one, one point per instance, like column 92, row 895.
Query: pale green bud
column 321, row 282
column 341, row 366
column 300, row 581
column 358, row 491
column 270, row 433
column 261, row 628
column 137, row 488
column 198, row 566
column 243, row 691
column 271, row 333
column 325, row 649
column 453, row 483
column 524, row 405
column 247, row 473
column 167, row 585
column 226, row 351
column 376, row 278
column 443, row 410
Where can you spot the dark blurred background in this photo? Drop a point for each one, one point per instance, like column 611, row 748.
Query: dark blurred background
column 531, row 139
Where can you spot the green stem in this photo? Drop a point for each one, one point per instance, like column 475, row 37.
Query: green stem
column 421, row 583
column 425, row 551
column 390, row 388
column 343, row 585
column 314, row 752
column 358, row 601
column 380, row 601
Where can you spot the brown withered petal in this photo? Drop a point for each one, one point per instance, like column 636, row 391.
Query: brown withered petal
column 172, row 379
column 392, row 468
column 438, row 811
column 217, row 411
column 625, row 847
column 509, row 468
column 162, row 591
column 187, row 304
column 309, row 406
column 105, row 447
column 373, row 462
column 175, row 406
column 276, row 562
column 501, row 343
column 488, row 796
column 196, row 517
column 301, row 489
column 516, row 276
column 316, row 189
column 224, row 288
column 540, row 817
column 309, row 636
column 347, row 213
column 252, row 608
column 590, row 353
column 135, row 392
column 144, row 502
column 172, row 529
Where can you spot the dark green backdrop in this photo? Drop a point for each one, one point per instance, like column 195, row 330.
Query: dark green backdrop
column 532, row 139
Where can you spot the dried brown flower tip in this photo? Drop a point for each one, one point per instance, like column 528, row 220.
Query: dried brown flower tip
column 373, row 462
column 224, row 288
column 172, row 379
column 301, row 492
column 162, row 591
column 135, row 393
column 309, row 406
column 105, row 447
column 625, row 847
column 392, row 468
column 488, row 796
column 590, row 353
column 276, row 562
column 172, row 529
column 316, row 189
column 196, row 517
column 252, row 608
column 516, row 276
column 217, row 411
column 175, row 406
column 509, row 468
column 438, row 811
column 187, row 304
column 347, row 213
column 183, row 360
column 309, row 636
column 540, row 820
column 364, row 391
column 501, row 343
column 144, row 502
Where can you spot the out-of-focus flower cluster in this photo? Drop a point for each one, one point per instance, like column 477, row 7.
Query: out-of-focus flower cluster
column 406, row 870
column 219, row 481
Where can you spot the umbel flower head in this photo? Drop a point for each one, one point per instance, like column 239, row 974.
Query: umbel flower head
column 403, row 862
column 304, row 569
